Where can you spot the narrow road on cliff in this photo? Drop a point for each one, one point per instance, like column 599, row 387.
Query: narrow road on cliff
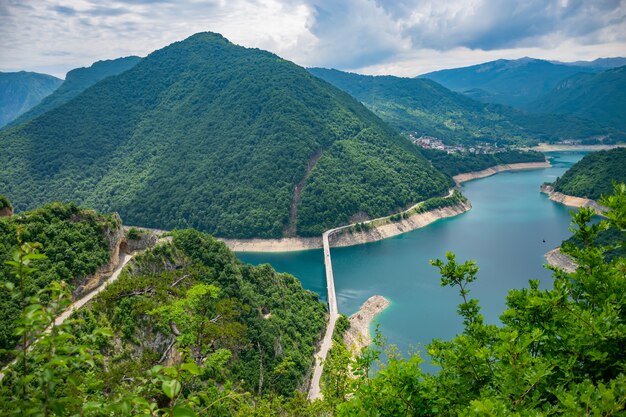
column 124, row 259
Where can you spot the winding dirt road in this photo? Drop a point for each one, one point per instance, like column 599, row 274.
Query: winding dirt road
column 124, row 258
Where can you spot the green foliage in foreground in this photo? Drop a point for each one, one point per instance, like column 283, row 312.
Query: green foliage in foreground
column 207, row 134
column 459, row 163
column 591, row 177
column 558, row 352
column 74, row 242
column 4, row 202
column 226, row 328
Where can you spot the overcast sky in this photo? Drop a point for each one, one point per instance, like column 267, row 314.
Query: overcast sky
column 400, row 37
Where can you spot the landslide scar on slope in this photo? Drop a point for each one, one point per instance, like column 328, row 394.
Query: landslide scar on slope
column 290, row 229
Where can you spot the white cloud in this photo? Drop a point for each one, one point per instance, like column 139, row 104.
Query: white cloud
column 403, row 37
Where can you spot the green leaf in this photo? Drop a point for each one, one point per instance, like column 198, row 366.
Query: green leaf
column 171, row 388
column 182, row 411
column 190, row 367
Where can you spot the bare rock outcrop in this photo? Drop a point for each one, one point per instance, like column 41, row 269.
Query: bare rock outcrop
column 358, row 335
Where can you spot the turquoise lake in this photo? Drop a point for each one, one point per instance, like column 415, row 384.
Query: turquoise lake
column 503, row 233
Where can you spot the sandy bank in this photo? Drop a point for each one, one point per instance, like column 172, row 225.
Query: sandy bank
column 468, row 176
column 287, row 244
column 390, row 229
column 571, row 201
column 344, row 237
column 544, row 147
column 560, row 260
column 358, row 335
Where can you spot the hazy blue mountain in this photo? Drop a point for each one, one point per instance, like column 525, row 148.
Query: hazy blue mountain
column 20, row 91
column 230, row 140
column 512, row 82
column 77, row 81
column 425, row 107
column 600, row 97
column 600, row 63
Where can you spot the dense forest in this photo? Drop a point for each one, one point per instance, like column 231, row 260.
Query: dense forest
column 210, row 135
column 516, row 82
column 423, row 107
column 597, row 97
column 77, row 81
column 190, row 331
column 20, row 91
column 74, row 241
column 591, row 177
column 459, row 163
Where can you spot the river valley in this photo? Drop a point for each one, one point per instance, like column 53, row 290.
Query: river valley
column 504, row 232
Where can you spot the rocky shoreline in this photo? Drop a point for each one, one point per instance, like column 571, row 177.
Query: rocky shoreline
column 560, row 260
column 388, row 229
column 571, row 201
column 468, row 176
column 544, row 147
column 345, row 237
column 358, row 335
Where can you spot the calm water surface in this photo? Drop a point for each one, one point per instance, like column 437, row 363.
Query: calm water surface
column 503, row 232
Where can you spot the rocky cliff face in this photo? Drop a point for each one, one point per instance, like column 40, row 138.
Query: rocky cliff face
column 116, row 239
column 6, row 212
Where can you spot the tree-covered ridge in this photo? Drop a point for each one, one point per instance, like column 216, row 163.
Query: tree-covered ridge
column 242, row 324
column 599, row 97
column 4, row 202
column 591, row 177
column 512, row 82
column 207, row 134
column 77, row 81
column 20, row 91
column 74, row 240
column 427, row 108
column 238, row 331
column 459, row 163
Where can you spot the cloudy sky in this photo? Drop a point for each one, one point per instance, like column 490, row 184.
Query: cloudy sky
column 400, row 37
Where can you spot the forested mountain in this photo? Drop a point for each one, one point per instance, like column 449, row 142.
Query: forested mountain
column 208, row 134
column 513, row 82
column 77, row 81
column 600, row 97
column 591, row 177
column 425, row 107
column 20, row 91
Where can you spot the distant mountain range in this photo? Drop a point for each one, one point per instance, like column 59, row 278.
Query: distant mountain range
column 427, row 108
column 20, row 91
column 515, row 83
column 76, row 81
column 206, row 134
column 600, row 63
column 600, row 97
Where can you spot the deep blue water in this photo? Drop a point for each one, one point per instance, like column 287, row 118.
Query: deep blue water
column 503, row 233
